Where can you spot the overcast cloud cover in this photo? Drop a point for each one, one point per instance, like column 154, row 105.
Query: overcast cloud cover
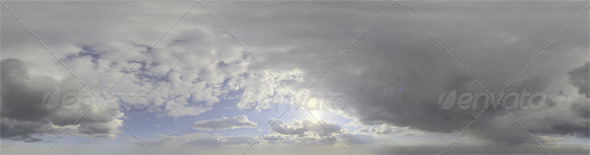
column 198, row 91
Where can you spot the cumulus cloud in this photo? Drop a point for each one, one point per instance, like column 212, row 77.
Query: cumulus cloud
column 381, row 130
column 310, row 132
column 190, row 70
column 34, row 105
column 196, row 68
column 226, row 123
column 261, row 91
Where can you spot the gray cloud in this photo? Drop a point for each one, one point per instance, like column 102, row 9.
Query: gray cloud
column 581, row 110
column 356, row 139
column 226, row 123
column 393, row 75
column 388, row 130
column 302, row 128
column 25, row 116
column 382, row 61
column 380, row 130
column 579, row 77
column 311, row 133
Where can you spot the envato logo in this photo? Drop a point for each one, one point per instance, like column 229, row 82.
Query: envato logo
column 68, row 100
column 315, row 101
column 510, row 101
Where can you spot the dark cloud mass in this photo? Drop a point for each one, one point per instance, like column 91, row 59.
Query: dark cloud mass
column 580, row 126
column 25, row 116
column 391, row 79
column 372, row 72
column 580, row 80
column 396, row 80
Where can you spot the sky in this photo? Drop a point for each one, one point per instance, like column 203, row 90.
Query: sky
column 294, row 77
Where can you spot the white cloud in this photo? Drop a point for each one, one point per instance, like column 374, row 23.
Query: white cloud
column 311, row 133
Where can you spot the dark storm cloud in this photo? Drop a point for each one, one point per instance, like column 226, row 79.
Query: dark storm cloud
column 395, row 73
column 581, row 110
column 23, row 113
column 578, row 128
column 25, row 116
column 579, row 78
column 26, row 101
column 579, row 124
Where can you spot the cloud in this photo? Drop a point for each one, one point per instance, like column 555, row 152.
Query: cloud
column 381, row 130
column 303, row 128
column 581, row 110
column 393, row 75
column 226, row 123
column 388, row 130
column 200, row 140
column 261, row 90
column 373, row 70
column 302, row 132
column 579, row 77
column 37, row 105
column 356, row 139
column 311, row 133
column 191, row 69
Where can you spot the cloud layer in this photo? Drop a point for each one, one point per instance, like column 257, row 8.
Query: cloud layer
column 391, row 78
column 226, row 123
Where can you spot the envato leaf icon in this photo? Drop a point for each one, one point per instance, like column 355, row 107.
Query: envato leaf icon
column 51, row 100
column 449, row 101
